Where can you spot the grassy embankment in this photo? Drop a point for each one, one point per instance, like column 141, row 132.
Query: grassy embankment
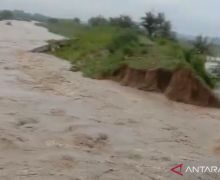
column 99, row 51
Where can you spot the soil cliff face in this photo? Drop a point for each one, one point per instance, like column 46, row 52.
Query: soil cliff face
column 148, row 80
column 157, row 80
column 186, row 87
column 179, row 85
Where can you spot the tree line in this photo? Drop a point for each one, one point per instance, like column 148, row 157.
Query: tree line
column 154, row 24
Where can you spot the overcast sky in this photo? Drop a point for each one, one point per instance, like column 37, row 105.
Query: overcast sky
column 190, row 17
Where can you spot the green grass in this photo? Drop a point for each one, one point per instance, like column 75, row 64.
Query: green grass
column 158, row 55
column 65, row 28
column 99, row 51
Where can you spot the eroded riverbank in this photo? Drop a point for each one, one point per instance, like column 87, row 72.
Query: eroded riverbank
column 56, row 124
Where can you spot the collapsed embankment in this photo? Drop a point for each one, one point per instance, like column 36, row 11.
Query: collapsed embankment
column 179, row 85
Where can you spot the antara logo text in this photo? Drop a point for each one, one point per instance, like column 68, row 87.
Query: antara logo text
column 181, row 170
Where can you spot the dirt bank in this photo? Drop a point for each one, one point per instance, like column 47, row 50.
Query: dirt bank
column 186, row 87
column 155, row 80
column 57, row 125
column 180, row 85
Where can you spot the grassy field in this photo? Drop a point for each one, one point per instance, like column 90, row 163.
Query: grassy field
column 99, row 51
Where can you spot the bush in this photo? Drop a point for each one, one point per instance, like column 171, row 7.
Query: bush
column 188, row 55
column 98, row 21
column 128, row 51
column 122, row 21
column 103, row 67
column 123, row 40
column 198, row 65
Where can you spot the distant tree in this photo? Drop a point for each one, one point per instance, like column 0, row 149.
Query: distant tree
column 97, row 21
column 21, row 15
column 40, row 17
column 122, row 21
column 6, row 15
column 202, row 45
column 157, row 25
column 53, row 20
column 76, row 20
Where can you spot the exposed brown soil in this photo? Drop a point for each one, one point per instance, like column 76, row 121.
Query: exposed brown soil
column 186, row 87
column 179, row 85
column 157, row 80
column 149, row 80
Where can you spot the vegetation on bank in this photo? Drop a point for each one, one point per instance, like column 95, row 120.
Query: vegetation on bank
column 101, row 46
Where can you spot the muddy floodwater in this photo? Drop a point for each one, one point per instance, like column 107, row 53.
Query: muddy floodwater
column 58, row 125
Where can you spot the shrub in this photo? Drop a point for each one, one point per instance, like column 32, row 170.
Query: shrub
column 122, row 21
column 103, row 67
column 198, row 65
column 123, row 40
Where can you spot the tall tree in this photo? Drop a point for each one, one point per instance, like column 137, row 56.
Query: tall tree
column 157, row 25
column 149, row 23
column 165, row 30
column 160, row 19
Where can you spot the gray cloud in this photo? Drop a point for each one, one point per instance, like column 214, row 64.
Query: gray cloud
column 190, row 17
